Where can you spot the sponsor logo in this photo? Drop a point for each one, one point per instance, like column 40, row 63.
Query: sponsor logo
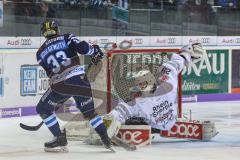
column 170, row 40
column 191, row 98
column 230, row 40
column 19, row 42
column 104, row 41
column 237, row 40
column 138, row 41
column 135, row 135
column 190, row 86
column 33, row 80
column 184, row 130
column 90, row 100
column 10, row 112
column 166, row 117
column 213, row 63
column 28, row 80
column 1, row 86
column 203, row 40
column 158, row 109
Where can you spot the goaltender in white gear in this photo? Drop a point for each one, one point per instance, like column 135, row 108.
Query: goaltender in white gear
column 155, row 96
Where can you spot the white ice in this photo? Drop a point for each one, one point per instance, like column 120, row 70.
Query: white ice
column 17, row 144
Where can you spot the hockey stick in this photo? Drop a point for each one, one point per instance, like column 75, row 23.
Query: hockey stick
column 31, row 128
column 120, row 142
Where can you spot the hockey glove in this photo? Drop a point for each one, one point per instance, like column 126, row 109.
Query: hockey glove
column 192, row 52
column 97, row 56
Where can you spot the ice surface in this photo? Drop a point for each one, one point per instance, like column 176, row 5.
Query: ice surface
column 17, row 144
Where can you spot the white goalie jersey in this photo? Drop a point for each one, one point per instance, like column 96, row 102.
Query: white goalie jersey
column 159, row 109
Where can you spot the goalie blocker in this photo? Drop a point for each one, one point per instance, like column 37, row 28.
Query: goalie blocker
column 140, row 135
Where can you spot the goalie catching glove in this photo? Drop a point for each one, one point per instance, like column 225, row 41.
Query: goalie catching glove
column 192, row 52
column 97, row 56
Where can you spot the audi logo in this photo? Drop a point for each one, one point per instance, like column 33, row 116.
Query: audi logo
column 205, row 40
column 103, row 41
column 26, row 42
column 138, row 41
column 237, row 40
column 171, row 40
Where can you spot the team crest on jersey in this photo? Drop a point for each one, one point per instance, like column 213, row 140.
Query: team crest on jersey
column 164, row 78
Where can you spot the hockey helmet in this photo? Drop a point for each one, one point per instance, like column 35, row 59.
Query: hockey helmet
column 144, row 83
column 49, row 28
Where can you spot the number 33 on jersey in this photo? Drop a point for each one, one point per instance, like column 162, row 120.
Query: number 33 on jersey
column 59, row 53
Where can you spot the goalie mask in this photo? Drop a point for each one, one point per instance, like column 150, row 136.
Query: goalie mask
column 49, row 29
column 144, row 84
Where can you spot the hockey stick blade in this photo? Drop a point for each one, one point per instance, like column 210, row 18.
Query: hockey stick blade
column 31, row 128
column 120, row 142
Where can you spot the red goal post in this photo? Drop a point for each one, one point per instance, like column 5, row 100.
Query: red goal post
column 121, row 63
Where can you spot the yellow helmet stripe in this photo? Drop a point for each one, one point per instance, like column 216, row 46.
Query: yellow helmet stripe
column 47, row 25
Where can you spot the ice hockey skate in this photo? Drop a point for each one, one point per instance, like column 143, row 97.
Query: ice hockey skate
column 58, row 144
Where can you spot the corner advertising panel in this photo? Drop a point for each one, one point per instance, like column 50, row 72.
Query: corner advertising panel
column 1, row 13
column 1, row 86
column 209, row 75
column 235, row 71
column 1, row 76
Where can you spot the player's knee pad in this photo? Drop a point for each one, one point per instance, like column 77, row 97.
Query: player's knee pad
column 44, row 107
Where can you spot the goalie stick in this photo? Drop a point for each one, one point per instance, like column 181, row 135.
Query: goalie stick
column 120, row 142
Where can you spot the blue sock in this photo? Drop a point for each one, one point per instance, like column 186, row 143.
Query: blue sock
column 97, row 124
column 52, row 124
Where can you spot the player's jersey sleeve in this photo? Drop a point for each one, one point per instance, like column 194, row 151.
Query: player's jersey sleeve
column 167, row 74
column 82, row 47
column 176, row 63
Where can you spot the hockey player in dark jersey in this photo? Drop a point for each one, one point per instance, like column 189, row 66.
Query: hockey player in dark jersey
column 59, row 57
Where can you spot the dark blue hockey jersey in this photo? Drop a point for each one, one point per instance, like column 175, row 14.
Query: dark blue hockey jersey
column 60, row 54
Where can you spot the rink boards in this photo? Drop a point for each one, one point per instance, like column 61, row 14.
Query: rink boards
column 22, row 81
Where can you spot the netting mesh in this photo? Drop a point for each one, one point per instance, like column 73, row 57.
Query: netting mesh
column 123, row 65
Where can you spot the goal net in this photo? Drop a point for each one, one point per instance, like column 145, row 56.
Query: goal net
column 110, row 81
column 123, row 63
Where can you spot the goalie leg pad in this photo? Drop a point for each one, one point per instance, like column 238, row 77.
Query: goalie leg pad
column 112, row 126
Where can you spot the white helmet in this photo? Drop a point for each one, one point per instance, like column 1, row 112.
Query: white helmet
column 144, row 83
